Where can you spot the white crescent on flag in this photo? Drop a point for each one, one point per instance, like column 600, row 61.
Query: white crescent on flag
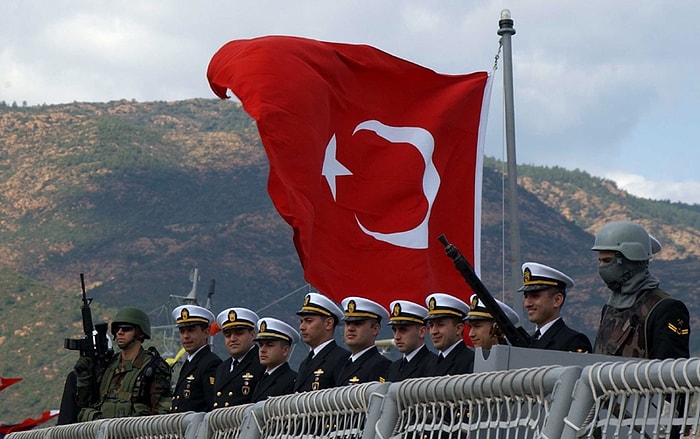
column 422, row 140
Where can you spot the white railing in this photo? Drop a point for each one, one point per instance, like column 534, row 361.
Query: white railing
column 82, row 430
column 228, row 423
column 341, row 412
column 518, row 403
column 654, row 398
column 172, row 426
column 640, row 398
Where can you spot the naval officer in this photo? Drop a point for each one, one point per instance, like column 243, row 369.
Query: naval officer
column 195, row 384
column 237, row 376
column 544, row 289
column 318, row 318
column 446, row 315
column 275, row 340
column 407, row 323
column 363, row 319
column 484, row 332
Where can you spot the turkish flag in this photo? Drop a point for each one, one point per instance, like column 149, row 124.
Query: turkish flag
column 371, row 159
column 28, row 423
column 7, row 382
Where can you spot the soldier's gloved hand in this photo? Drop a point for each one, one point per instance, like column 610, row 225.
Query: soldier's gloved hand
column 83, row 371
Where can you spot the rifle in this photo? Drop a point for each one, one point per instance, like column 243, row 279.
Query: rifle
column 94, row 344
column 516, row 336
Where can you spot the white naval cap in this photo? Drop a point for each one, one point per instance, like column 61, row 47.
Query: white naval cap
column 478, row 311
column 188, row 315
column 315, row 303
column 237, row 318
column 358, row 308
column 404, row 312
column 270, row 328
column 539, row 276
column 445, row 305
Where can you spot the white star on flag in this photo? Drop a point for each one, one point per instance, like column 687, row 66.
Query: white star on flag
column 332, row 167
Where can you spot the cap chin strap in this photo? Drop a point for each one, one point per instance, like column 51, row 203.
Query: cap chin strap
column 128, row 344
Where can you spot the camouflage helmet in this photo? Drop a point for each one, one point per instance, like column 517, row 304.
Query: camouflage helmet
column 132, row 316
column 626, row 237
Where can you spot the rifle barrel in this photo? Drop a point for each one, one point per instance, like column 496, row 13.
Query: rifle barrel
column 517, row 336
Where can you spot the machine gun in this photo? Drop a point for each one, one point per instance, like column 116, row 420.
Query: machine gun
column 516, row 336
column 94, row 344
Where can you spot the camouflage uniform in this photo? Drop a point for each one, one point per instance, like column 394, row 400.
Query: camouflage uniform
column 140, row 387
column 655, row 327
column 639, row 320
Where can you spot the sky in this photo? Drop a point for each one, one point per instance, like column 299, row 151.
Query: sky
column 607, row 87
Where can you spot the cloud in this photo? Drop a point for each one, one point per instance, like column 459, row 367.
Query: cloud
column 687, row 192
column 608, row 90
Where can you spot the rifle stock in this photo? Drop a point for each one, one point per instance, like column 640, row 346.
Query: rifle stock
column 517, row 336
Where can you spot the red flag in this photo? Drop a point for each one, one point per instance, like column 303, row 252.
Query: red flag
column 371, row 159
column 7, row 382
column 28, row 423
column 214, row 328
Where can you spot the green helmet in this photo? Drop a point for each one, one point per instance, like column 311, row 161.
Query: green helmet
column 132, row 316
column 628, row 238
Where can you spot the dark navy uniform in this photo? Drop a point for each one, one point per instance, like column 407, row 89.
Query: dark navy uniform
column 420, row 366
column 194, row 390
column 560, row 337
column 459, row 361
column 275, row 339
column 279, row 382
column 195, row 384
column 320, row 372
column 407, row 321
column 235, row 387
column 668, row 330
column 370, row 366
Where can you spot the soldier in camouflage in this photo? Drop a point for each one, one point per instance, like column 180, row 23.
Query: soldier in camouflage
column 136, row 381
column 640, row 319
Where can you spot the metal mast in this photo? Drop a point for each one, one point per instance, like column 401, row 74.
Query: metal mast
column 506, row 30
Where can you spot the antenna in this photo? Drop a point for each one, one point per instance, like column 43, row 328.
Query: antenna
column 212, row 287
column 191, row 298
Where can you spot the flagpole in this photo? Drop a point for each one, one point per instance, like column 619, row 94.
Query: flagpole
column 506, row 30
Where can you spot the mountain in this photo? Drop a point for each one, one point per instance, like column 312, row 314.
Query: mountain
column 135, row 195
